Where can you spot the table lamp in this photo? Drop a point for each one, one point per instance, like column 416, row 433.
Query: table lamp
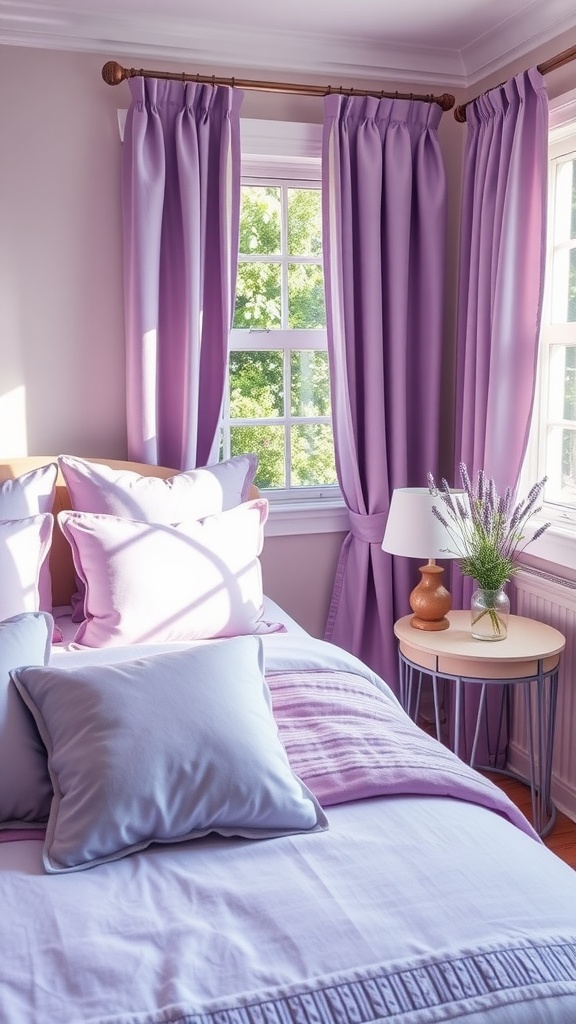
column 412, row 530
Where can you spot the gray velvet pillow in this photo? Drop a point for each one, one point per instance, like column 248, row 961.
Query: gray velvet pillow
column 163, row 749
column 25, row 788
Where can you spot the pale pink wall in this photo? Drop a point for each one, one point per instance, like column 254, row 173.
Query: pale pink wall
column 61, row 319
column 298, row 573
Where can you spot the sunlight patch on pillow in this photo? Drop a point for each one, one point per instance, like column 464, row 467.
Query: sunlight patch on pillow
column 24, row 551
column 30, row 495
column 163, row 749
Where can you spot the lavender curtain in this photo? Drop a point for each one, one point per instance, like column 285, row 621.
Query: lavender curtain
column 181, row 196
column 384, row 196
column 502, row 251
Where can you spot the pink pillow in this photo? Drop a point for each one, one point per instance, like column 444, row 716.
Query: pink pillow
column 24, row 549
column 148, row 582
column 28, row 495
column 193, row 494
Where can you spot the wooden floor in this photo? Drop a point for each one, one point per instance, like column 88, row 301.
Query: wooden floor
column 562, row 838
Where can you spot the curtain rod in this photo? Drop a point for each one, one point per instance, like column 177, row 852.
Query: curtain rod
column 113, row 73
column 548, row 65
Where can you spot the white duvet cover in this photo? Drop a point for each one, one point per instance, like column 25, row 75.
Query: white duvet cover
column 409, row 910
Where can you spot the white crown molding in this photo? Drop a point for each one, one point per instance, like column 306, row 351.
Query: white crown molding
column 235, row 46
column 504, row 44
column 155, row 38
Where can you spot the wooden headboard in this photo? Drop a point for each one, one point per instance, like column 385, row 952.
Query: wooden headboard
column 61, row 564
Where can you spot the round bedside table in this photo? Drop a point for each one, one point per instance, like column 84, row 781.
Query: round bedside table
column 527, row 658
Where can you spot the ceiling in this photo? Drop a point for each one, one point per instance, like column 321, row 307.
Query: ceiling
column 453, row 43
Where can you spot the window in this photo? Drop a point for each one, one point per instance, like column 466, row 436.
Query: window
column 552, row 449
column 557, row 441
column 278, row 396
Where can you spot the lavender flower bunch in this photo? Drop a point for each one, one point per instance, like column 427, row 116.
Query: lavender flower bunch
column 487, row 533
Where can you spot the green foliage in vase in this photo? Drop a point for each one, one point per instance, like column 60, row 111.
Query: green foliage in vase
column 486, row 531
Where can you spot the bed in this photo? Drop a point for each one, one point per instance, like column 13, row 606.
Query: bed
column 239, row 828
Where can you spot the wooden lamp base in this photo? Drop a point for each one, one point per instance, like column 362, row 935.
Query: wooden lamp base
column 430, row 601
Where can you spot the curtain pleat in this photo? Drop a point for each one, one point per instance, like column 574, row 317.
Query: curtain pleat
column 181, row 201
column 501, row 277
column 384, row 195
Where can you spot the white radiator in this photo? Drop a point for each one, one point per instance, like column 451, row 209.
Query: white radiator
column 551, row 599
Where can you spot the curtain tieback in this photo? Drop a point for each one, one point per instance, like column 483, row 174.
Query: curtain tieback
column 369, row 528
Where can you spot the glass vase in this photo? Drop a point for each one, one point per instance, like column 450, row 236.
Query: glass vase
column 490, row 610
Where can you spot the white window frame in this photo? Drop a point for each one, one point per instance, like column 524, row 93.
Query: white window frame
column 276, row 152
column 558, row 544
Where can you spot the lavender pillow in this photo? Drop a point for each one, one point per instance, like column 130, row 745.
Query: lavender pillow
column 194, row 494
column 25, row 788
column 24, row 550
column 163, row 749
column 148, row 583
column 29, row 495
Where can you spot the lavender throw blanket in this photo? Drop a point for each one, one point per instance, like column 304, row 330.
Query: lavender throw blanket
column 346, row 740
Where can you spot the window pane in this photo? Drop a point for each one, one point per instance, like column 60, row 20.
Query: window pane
column 256, row 385
column 258, row 296
column 569, row 465
column 304, row 222
column 268, row 443
column 310, row 383
column 306, row 296
column 312, row 455
column 571, row 317
column 573, row 217
column 561, row 465
column 570, row 384
column 260, row 220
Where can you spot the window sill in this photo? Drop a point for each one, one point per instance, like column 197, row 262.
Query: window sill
column 290, row 518
column 557, row 545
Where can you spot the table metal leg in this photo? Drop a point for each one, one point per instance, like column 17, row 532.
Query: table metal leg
column 410, row 690
column 481, row 704
column 540, row 699
column 457, row 714
column 437, row 720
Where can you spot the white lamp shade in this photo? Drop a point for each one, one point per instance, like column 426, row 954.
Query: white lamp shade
column 412, row 529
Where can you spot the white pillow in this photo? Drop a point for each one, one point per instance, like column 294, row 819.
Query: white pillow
column 147, row 582
column 24, row 549
column 25, row 787
column 163, row 749
column 28, row 495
